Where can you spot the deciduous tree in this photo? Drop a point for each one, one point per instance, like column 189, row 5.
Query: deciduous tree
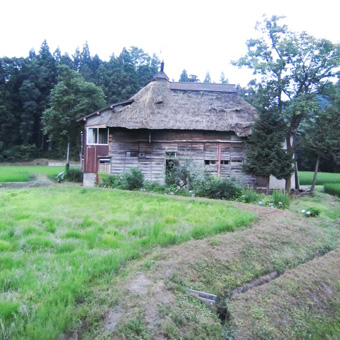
column 293, row 68
column 70, row 99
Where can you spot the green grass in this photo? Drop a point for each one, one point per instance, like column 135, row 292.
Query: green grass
column 332, row 189
column 22, row 173
column 306, row 177
column 56, row 245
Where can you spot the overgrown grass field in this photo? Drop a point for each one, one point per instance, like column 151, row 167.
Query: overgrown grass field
column 306, row 177
column 57, row 244
column 22, row 173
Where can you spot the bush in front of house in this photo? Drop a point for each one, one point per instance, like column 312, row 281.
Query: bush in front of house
column 218, row 188
column 132, row 179
column 249, row 195
column 129, row 180
column 73, row 175
column 183, row 173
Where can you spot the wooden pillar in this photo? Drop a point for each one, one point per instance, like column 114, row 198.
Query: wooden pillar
column 219, row 161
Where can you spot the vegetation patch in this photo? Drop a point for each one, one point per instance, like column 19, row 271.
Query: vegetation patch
column 306, row 178
column 57, row 245
column 22, row 173
column 332, row 189
column 301, row 304
column 220, row 265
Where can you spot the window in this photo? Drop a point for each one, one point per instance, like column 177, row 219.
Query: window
column 225, row 162
column 97, row 136
column 170, row 155
column 210, row 162
column 131, row 153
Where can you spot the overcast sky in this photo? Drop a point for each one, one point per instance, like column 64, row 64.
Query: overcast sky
column 197, row 35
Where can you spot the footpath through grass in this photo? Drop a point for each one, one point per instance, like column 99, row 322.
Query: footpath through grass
column 22, row 173
column 56, row 244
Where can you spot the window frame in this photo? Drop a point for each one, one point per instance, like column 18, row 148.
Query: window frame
column 97, row 128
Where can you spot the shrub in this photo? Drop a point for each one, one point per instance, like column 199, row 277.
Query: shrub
column 182, row 173
column 133, row 179
column 153, row 187
column 109, row 181
column 249, row 196
column 280, row 199
column 213, row 187
column 332, row 189
column 73, row 175
column 311, row 212
column 18, row 153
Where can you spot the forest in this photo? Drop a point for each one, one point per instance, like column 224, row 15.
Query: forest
column 79, row 83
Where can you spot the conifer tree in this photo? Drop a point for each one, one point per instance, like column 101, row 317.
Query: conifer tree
column 265, row 155
column 184, row 76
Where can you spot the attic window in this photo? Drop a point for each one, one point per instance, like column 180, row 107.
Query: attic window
column 131, row 153
column 97, row 135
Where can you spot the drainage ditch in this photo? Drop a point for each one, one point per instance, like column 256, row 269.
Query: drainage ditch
column 220, row 302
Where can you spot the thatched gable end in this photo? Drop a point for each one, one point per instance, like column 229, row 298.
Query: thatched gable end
column 186, row 106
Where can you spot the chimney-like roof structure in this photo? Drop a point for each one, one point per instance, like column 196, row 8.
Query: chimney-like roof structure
column 183, row 106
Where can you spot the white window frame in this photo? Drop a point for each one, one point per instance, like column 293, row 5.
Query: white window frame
column 96, row 127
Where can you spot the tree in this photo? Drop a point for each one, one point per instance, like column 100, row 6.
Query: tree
column 184, row 76
column 265, row 155
column 207, row 78
column 321, row 132
column 70, row 99
column 294, row 69
column 223, row 79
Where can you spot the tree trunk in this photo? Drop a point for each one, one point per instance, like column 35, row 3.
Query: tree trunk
column 68, row 153
column 315, row 174
column 288, row 183
column 296, row 173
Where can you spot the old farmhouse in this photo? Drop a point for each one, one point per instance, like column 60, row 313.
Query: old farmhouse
column 206, row 123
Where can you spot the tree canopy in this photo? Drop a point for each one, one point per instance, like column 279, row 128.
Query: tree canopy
column 69, row 99
column 26, row 85
column 265, row 155
column 291, row 69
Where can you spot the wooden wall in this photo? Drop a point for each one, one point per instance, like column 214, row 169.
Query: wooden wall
column 149, row 150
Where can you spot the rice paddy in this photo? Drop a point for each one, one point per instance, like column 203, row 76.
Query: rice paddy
column 23, row 173
column 56, row 244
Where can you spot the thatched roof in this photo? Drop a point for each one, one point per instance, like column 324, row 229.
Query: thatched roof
column 184, row 106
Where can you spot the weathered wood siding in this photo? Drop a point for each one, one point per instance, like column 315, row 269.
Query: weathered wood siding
column 92, row 154
column 149, row 150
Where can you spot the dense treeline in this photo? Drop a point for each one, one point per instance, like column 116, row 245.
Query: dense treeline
column 26, row 85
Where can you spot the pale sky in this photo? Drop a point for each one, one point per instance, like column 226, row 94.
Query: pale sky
column 197, row 35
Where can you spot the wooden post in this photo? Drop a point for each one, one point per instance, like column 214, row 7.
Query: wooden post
column 219, row 161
